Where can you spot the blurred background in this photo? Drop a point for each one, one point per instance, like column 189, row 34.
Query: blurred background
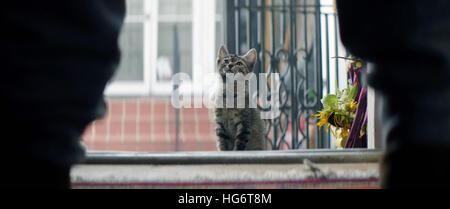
column 298, row 39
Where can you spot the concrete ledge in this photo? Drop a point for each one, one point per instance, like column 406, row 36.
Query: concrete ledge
column 223, row 176
column 236, row 157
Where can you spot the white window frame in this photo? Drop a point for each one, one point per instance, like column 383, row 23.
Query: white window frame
column 203, row 52
column 138, row 88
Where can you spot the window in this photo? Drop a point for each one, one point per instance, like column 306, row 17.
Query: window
column 148, row 45
column 132, row 75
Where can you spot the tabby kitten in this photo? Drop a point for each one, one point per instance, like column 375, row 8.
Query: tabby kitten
column 237, row 128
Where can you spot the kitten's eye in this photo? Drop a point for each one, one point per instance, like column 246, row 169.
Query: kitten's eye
column 239, row 63
column 226, row 61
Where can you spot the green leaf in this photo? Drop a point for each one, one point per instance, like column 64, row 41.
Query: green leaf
column 339, row 93
column 330, row 101
column 353, row 92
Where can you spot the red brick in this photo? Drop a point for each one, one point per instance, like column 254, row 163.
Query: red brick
column 145, row 148
column 188, row 147
column 116, row 116
column 115, row 127
column 130, row 108
column 129, row 145
column 188, row 111
column 171, row 112
column 145, row 117
column 159, row 128
column 172, row 129
column 189, row 138
column 93, row 140
column 115, row 147
column 145, row 127
column 144, row 138
column 100, row 128
column 207, row 147
column 130, row 138
column 145, row 108
column 204, row 128
column 202, row 111
column 115, row 105
column 188, row 114
column 205, row 118
column 188, row 127
column 159, row 108
column 98, row 145
column 161, row 147
column 152, row 147
column 160, row 142
column 160, row 100
column 188, row 119
column 115, row 139
column 171, row 120
column 207, row 138
column 159, row 117
column 130, row 127
column 169, row 147
column 161, row 138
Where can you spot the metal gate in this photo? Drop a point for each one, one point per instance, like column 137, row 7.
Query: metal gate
column 287, row 35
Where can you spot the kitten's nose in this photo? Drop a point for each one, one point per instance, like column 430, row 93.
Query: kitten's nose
column 230, row 66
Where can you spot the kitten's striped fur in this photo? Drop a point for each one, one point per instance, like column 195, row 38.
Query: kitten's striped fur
column 237, row 128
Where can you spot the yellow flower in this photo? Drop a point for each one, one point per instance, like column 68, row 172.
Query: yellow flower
column 343, row 133
column 323, row 116
column 342, row 138
column 351, row 107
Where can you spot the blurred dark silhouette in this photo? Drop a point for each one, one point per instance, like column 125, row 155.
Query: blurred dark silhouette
column 56, row 58
column 408, row 41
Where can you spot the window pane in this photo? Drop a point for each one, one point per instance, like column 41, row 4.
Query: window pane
column 177, row 7
column 220, row 5
column 166, row 46
column 135, row 7
column 219, row 36
column 132, row 45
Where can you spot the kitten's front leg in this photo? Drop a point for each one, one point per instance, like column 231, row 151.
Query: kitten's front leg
column 242, row 136
column 222, row 137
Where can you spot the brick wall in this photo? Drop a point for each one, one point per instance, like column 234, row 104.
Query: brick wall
column 148, row 124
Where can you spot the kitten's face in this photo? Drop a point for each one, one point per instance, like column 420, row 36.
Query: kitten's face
column 230, row 63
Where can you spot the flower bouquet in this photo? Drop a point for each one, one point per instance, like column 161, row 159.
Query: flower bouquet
column 346, row 111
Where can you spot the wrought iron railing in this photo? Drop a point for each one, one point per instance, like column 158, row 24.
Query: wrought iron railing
column 289, row 39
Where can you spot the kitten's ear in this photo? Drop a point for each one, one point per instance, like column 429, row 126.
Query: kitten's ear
column 250, row 57
column 223, row 51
